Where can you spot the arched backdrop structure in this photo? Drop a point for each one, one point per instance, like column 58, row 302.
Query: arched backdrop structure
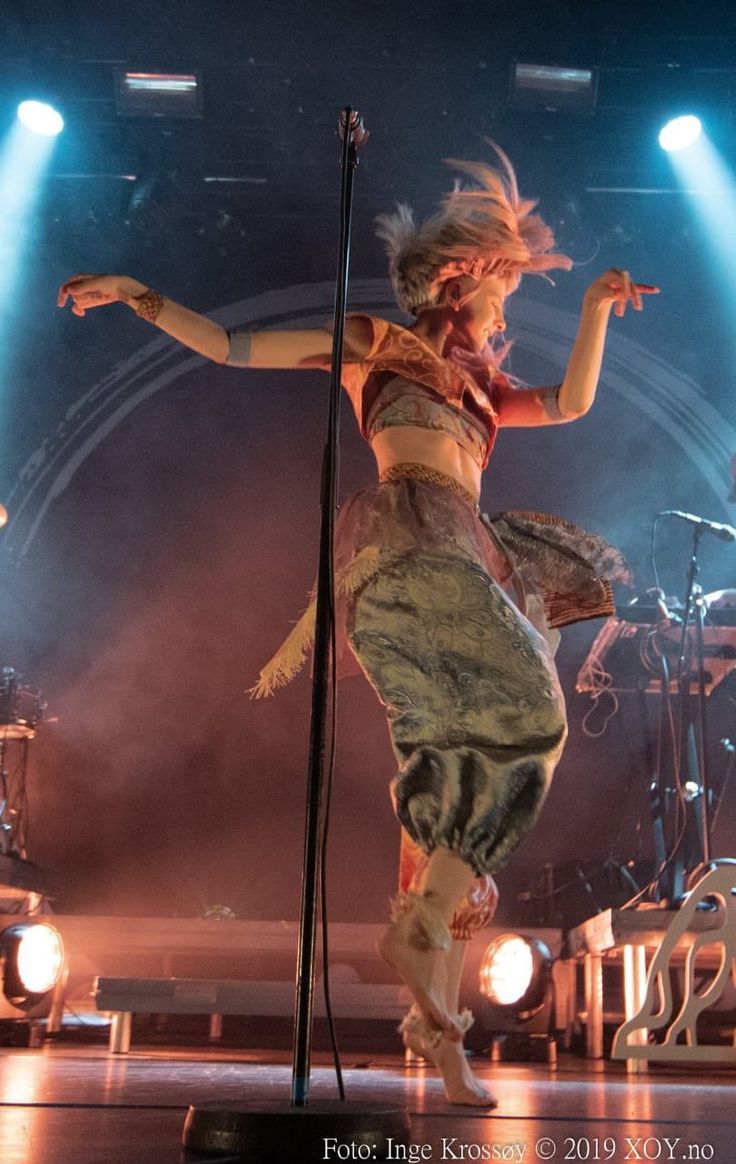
column 667, row 398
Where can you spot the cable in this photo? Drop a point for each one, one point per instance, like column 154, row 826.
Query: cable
column 327, row 799
column 616, row 843
column 330, row 769
column 583, row 874
column 724, row 785
column 680, row 823
column 652, row 554
column 90, row 1026
column 599, row 682
column 651, row 651
column 323, row 875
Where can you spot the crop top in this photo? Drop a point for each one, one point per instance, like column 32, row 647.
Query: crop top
column 402, row 402
column 424, row 389
column 403, row 381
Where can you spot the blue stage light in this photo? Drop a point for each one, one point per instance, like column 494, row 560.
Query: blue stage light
column 707, row 178
column 24, row 161
column 680, row 133
column 40, row 118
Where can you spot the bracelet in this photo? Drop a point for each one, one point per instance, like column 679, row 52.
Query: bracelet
column 149, row 306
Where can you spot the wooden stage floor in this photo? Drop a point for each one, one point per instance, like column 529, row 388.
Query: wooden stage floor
column 75, row 1104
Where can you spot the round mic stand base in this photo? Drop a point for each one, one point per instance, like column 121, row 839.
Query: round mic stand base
column 279, row 1131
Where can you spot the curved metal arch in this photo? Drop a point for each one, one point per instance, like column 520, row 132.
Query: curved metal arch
column 671, row 400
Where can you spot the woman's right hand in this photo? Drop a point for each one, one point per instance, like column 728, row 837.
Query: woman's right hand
column 87, row 291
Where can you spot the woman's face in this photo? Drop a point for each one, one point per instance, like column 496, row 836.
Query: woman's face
column 481, row 311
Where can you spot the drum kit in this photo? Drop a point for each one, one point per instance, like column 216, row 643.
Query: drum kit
column 21, row 711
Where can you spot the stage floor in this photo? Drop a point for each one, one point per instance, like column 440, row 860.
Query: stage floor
column 69, row 1104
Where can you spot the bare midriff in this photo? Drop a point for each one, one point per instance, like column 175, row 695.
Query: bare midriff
column 423, row 446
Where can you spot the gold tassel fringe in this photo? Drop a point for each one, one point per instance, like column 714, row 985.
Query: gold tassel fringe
column 291, row 655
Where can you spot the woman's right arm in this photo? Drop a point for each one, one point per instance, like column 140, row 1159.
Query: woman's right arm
column 267, row 349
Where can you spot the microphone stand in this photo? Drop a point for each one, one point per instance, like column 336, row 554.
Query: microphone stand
column 689, row 751
column 324, row 617
column 272, row 1130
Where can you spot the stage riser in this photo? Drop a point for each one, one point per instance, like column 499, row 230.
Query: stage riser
column 260, row 953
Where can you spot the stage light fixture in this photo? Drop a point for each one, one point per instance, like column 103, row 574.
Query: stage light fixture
column 553, row 88
column 140, row 94
column 31, row 960
column 515, row 974
column 38, row 117
column 679, row 133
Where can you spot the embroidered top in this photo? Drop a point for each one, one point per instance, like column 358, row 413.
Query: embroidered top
column 475, row 390
column 463, row 394
column 403, row 402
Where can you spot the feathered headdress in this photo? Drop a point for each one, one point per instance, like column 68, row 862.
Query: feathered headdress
column 484, row 230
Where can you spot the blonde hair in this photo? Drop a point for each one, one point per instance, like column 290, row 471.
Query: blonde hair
column 484, row 230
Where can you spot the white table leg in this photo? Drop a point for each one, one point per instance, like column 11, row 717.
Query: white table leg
column 635, row 984
column 122, row 1022
column 594, row 1006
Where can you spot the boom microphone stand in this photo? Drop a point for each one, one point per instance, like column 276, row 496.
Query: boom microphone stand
column 693, row 847
column 694, row 608
column 276, row 1131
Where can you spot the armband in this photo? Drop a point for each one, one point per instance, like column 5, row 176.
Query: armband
column 551, row 404
column 239, row 351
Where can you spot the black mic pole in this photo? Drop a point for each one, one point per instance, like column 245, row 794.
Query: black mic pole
column 349, row 120
column 269, row 1129
column 373, row 1129
column 683, row 669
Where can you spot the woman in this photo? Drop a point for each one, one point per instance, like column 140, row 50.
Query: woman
column 447, row 613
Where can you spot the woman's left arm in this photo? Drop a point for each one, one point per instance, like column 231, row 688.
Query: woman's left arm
column 575, row 395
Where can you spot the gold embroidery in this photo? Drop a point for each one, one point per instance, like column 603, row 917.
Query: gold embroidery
column 420, row 472
column 398, row 350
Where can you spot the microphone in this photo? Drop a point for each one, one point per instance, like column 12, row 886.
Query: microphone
column 358, row 133
column 726, row 533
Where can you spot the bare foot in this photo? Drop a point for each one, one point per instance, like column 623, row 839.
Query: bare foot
column 423, row 968
column 448, row 1056
column 461, row 1085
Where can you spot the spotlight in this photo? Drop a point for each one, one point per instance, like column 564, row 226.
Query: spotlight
column 31, row 962
column 515, row 974
column 680, row 133
column 40, row 118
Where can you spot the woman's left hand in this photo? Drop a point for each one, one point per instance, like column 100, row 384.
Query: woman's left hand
column 617, row 287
